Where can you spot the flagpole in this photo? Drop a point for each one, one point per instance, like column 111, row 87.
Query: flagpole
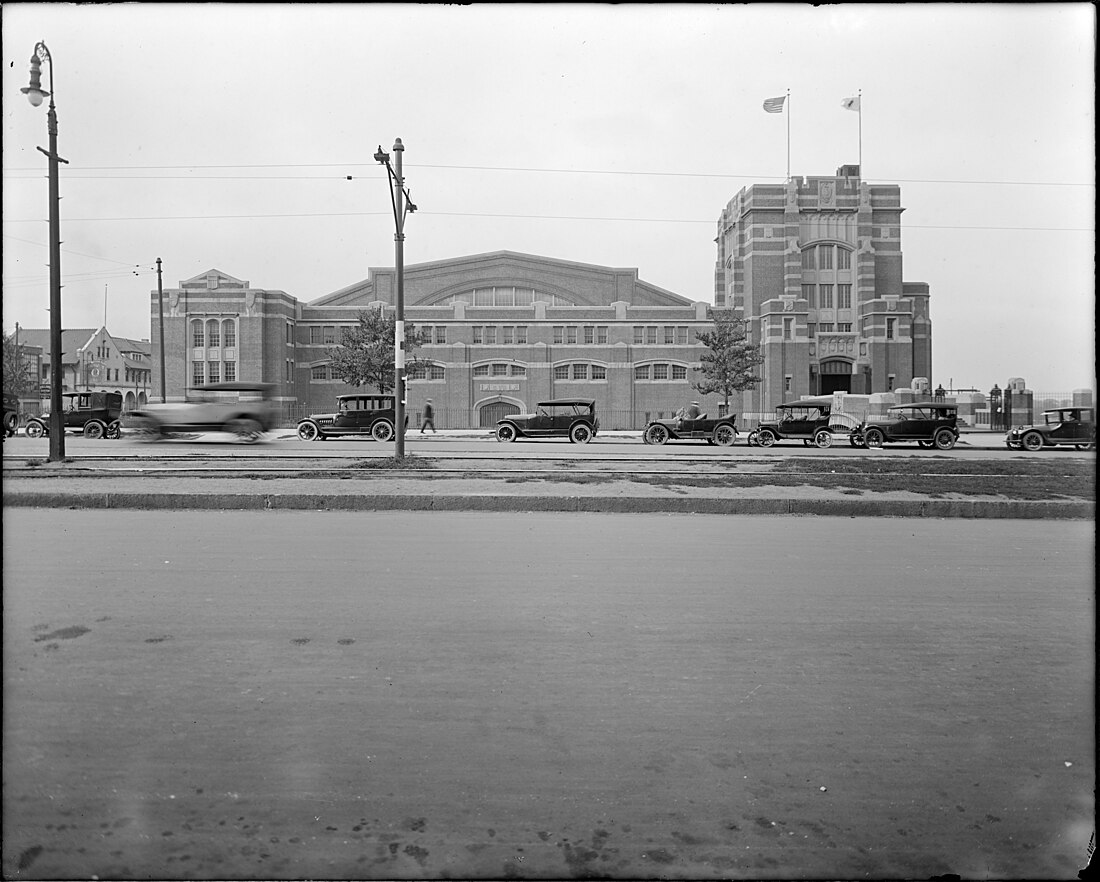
column 788, row 134
column 860, row 106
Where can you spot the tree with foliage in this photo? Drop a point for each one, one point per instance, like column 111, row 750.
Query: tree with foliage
column 18, row 380
column 364, row 356
column 732, row 358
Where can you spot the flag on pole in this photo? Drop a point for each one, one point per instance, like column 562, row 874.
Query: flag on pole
column 775, row 105
column 850, row 104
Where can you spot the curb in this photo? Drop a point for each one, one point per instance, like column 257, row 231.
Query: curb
column 910, row 508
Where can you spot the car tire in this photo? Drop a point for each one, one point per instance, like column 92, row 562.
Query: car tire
column 855, row 441
column 35, row 429
column 506, row 433
column 308, row 431
column 823, row 438
column 114, row 430
column 1013, row 445
column 927, row 445
column 753, row 438
column 725, row 436
column 874, row 438
column 766, row 438
column 382, row 430
column 11, row 423
column 1032, row 441
column 944, row 439
column 248, row 431
column 581, row 433
column 656, row 434
column 94, row 429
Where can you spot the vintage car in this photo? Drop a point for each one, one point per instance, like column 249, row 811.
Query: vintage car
column 96, row 414
column 810, row 420
column 719, row 430
column 928, row 423
column 11, row 414
column 245, row 410
column 365, row 416
column 572, row 418
column 1074, row 426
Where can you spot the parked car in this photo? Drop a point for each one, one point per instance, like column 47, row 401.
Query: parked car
column 370, row 416
column 11, row 414
column 96, row 414
column 572, row 418
column 246, row 410
column 1074, row 426
column 929, row 423
column 809, row 420
column 718, row 430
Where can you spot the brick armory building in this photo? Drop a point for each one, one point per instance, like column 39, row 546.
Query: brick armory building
column 814, row 265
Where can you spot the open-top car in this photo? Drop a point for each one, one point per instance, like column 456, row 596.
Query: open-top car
column 572, row 418
column 1075, row 426
column 364, row 416
column 810, row 420
column 928, row 423
column 245, row 410
column 714, row 430
column 96, row 414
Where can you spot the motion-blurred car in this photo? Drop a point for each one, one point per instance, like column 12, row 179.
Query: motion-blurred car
column 367, row 416
column 928, row 423
column 245, row 410
column 1074, row 426
column 11, row 414
column 717, row 430
column 810, row 420
column 96, row 414
column 572, row 418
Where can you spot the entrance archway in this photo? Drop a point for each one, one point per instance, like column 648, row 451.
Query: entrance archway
column 493, row 411
column 834, row 375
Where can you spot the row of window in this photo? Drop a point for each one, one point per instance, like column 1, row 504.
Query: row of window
column 569, row 371
column 826, row 257
column 203, row 372
column 505, row 296
column 821, row 296
column 509, row 335
column 213, row 333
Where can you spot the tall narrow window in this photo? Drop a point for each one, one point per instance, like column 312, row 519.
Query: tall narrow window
column 559, row 334
column 843, row 258
column 476, row 331
column 521, row 334
column 589, row 334
column 601, row 334
column 213, row 375
column 197, row 373
column 651, row 334
column 229, row 332
column 197, row 336
column 809, row 295
column 507, row 335
column 826, row 292
column 490, row 335
column 788, row 329
column 440, row 333
column 844, row 294
column 639, row 333
column 213, row 333
column 808, row 259
column 571, row 334
column 670, row 335
column 890, row 322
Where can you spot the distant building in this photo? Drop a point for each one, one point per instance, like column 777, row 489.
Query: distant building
column 815, row 265
column 94, row 361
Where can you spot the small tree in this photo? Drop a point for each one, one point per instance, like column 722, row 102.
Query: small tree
column 17, row 373
column 730, row 363
column 364, row 356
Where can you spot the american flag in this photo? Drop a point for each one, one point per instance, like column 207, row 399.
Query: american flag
column 775, row 105
column 850, row 104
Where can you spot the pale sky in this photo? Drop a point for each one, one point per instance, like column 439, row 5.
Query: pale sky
column 222, row 136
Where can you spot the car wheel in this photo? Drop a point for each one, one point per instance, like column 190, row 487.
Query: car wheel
column 506, row 433
column 925, row 444
column 944, row 440
column 766, row 438
column 11, row 423
column 1013, row 445
column 94, row 429
column 753, row 438
column 725, row 436
column 308, row 431
column 824, row 438
column 855, row 441
column 1032, row 441
column 874, row 438
column 381, row 431
column 35, row 429
column 581, row 433
column 656, row 434
column 246, row 430
column 114, row 430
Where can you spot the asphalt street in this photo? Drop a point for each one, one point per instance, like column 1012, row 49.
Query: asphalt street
column 485, row 695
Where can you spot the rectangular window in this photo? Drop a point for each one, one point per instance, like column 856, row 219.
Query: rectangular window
column 890, row 383
column 890, row 328
column 314, row 335
column 599, row 372
column 215, row 337
column 481, row 370
column 809, row 293
column 670, row 335
column 787, row 383
column 329, row 334
column 440, row 333
column 601, row 334
column 651, row 334
column 476, row 331
column 559, row 334
column 500, row 370
column 660, row 372
column 289, row 332
column 826, row 296
column 639, row 335
column 844, row 294
column 197, row 335
column 436, row 372
column 571, row 334
column 561, row 372
column 843, row 258
column 519, row 370
column 507, row 335
column 641, row 372
column 197, row 373
column 213, row 372
column 825, row 327
column 825, row 256
column 580, row 372
column 844, row 327
column 521, row 333
column 416, row 373
column 589, row 334
column 679, row 372
column 788, row 329
column 682, row 335
column 319, row 372
column 490, row 335
column 808, row 259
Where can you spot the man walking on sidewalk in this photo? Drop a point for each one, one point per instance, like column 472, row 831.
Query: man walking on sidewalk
column 429, row 416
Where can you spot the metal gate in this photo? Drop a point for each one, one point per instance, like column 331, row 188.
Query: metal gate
column 498, row 410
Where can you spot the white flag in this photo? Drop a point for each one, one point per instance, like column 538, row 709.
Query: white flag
column 850, row 104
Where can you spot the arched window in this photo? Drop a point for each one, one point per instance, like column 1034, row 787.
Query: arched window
column 197, row 336
column 229, row 333
column 213, row 333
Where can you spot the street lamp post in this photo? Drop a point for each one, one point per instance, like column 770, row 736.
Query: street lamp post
column 160, row 303
column 402, row 206
column 35, row 93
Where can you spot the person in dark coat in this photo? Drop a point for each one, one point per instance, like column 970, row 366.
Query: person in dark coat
column 429, row 416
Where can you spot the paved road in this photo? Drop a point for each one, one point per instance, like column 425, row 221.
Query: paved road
column 403, row 695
